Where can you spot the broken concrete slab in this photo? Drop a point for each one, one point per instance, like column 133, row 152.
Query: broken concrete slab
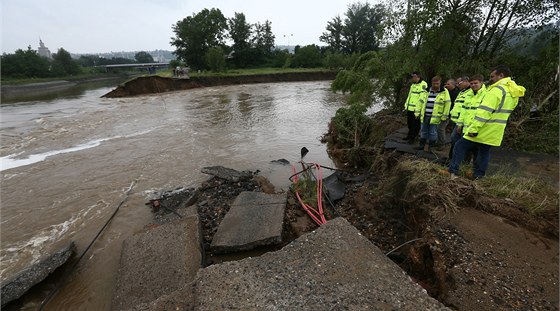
column 21, row 283
column 403, row 131
column 254, row 219
column 333, row 267
column 226, row 173
column 181, row 299
column 158, row 262
column 395, row 137
column 389, row 144
column 407, row 148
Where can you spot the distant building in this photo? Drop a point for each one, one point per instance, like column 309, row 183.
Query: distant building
column 43, row 50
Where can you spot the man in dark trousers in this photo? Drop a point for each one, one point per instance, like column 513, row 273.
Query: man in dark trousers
column 415, row 99
column 489, row 122
column 451, row 86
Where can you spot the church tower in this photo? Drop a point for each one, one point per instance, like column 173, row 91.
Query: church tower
column 43, row 50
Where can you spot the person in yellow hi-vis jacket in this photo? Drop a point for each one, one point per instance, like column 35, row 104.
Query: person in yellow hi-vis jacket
column 462, row 99
column 466, row 117
column 489, row 123
column 432, row 112
column 414, row 100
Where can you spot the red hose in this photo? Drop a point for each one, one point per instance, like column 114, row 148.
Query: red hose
column 316, row 214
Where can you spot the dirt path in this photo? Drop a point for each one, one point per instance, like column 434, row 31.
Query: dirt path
column 501, row 266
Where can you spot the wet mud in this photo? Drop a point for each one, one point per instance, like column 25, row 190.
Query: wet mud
column 157, row 84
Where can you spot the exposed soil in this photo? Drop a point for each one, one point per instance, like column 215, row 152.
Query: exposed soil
column 156, row 84
column 478, row 253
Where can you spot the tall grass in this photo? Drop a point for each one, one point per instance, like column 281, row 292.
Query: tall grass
column 536, row 195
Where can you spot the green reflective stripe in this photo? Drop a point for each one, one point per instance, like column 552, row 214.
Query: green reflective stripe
column 439, row 103
column 421, row 100
column 490, row 121
column 498, row 121
column 417, row 92
column 486, row 108
column 448, row 101
column 436, row 117
column 411, row 105
column 503, row 97
column 471, row 108
column 505, row 111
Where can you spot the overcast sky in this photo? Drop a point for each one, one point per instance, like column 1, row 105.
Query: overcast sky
column 87, row 26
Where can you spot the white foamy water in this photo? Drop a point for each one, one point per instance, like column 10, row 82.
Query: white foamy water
column 10, row 161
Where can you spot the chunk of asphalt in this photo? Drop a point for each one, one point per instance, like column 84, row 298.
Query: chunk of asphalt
column 21, row 283
column 331, row 268
column 335, row 187
column 254, row 219
column 226, row 173
column 158, row 262
column 407, row 148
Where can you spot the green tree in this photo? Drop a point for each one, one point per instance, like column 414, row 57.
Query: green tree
column 63, row 64
column 333, row 36
column 307, row 57
column 452, row 38
column 24, row 64
column 240, row 33
column 196, row 34
column 215, row 59
column 263, row 41
column 143, row 57
column 361, row 31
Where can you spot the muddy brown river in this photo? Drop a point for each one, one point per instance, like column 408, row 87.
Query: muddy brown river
column 67, row 163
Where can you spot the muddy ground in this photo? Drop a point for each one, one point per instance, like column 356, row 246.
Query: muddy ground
column 483, row 253
column 157, row 84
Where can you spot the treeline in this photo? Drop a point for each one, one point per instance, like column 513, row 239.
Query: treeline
column 28, row 63
column 200, row 41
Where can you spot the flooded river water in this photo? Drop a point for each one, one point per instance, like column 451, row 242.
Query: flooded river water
column 67, row 163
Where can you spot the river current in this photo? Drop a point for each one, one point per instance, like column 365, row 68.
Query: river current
column 67, row 163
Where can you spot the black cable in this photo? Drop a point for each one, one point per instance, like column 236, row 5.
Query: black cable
column 308, row 167
column 407, row 242
column 55, row 290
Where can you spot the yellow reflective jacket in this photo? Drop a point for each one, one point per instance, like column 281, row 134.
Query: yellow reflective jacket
column 442, row 105
column 491, row 116
column 467, row 115
column 415, row 95
column 463, row 97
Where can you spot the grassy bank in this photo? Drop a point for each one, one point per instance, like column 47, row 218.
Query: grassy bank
column 74, row 78
column 242, row 72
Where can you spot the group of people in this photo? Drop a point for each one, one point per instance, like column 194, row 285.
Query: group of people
column 477, row 113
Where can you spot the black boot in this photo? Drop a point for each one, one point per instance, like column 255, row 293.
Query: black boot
column 431, row 146
column 422, row 144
